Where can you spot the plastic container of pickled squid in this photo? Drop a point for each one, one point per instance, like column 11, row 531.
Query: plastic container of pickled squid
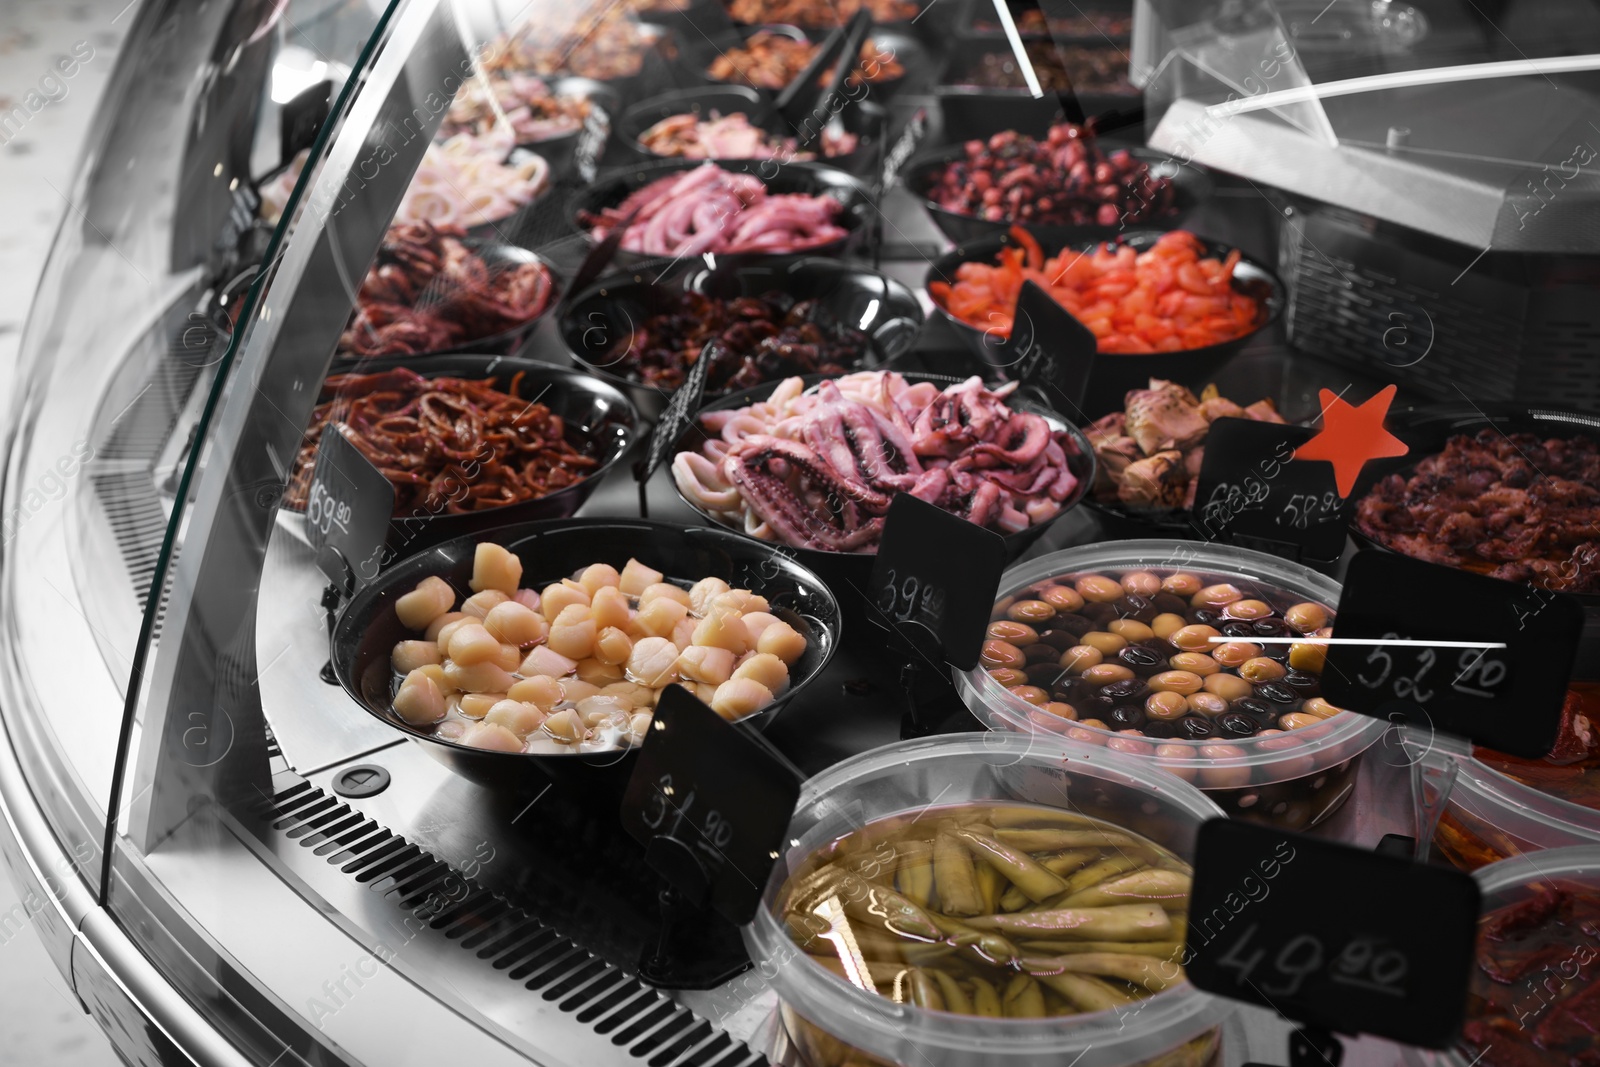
column 831, row 1021
column 1293, row 779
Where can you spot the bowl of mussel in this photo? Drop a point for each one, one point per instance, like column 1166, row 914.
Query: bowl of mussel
column 642, row 330
column 994, row 900
column 1202, row 659
column 537, row 651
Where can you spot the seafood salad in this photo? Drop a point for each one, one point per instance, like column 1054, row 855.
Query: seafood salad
column 465, row 180
column 732, row 136
column 818, row 468
column 429, row 291
column 1149, row 454
column 709, row 209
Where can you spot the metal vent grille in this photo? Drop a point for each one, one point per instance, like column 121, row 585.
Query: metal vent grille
column 612, row 1003
column 137, row 520
column 1345, row 312
column 1566, row 370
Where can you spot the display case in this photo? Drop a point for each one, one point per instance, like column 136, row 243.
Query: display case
column 416, row 390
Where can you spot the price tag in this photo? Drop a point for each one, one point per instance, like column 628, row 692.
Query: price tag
column 1508, row 698
column 905, row 146
column 592, row 142
column 939, row 570
column 1252, row 490
column 679, row 413
column 301, row 119
column 1048, row 349
column 347, row 511
column 1331, row 935
column 719, row 795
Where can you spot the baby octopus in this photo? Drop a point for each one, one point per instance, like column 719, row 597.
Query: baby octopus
column 818, row 469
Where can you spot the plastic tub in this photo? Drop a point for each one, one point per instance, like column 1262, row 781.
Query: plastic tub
column 831, row 1021
column 1292, row 780
column 1506, row 884
column 1490, row 816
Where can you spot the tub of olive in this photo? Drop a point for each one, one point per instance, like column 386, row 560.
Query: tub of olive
column 992, row 900
column 1183, row 654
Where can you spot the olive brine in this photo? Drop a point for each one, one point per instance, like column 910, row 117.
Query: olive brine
column 1172, row 657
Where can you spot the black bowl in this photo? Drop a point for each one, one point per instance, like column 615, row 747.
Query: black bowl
column 504, row 343
column 867, row 121
column 848, row 574
column 600, row 422
column 367, row 629
column 561, row 151
column 813, row 179
column 1193, row 187
column 887, row 311
column 1114, row 375
column 1426, row 428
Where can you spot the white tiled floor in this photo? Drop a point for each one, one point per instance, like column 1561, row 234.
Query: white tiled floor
column 41, row 1023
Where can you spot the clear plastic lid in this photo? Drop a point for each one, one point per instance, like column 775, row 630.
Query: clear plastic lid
column 1218, row 762
column 916, row 776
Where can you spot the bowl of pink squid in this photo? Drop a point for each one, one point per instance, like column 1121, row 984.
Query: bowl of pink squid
column 732, row 208
column 811, row 464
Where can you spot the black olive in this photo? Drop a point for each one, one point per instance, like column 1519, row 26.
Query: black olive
column 1303, row 682
column 1126, row 717
column 1134, row 606
column 1039, row 652
column 1096, row 706
column 1060, row 640
column 1169, row 604
column 1141, row 660
column 1077, row 625
column 1238, row 628
column 1204, row 617
column 1159, row 728
column 1269, row 627
column 1234, row 724
column 1277, row 693
column 1131, row 689
column 1101, row 613
column 1195, row 728
column 1044, row 675
column 1161, row 647
column 1262, row 712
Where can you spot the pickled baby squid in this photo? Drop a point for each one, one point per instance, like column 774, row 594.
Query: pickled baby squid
column 579, row 665
column 1080, row 916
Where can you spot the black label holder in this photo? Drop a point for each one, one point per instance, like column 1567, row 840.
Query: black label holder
column 674, row 420
column 936, row 614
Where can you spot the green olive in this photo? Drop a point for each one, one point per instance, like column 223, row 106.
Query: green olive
column 1141, row 583
column 1099, row 589
column 1106, row 673
column 1015, row 633
column 1216, row 596
column 1261, row 670
column 1080, row 658
column 1131, row 630
column 1306, row 617
column 1166, row 705
column 1229, row 687
column 1031, row 693
column 1247, row 609
column 1108, row 643
column 1030, row 611
column 1183, row 682
column 1063, row 598
column 1195, row 663
column 1181, row 584
column 1001, row 654
column 1196, row 638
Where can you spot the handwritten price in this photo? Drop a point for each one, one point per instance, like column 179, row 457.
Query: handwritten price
column 910, row 598
column 1477, row 673
column 324, row 511
column 1300, row 508
column 714, row 836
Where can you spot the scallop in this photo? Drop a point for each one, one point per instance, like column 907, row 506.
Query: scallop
column 636, row 578
column 518, row 717
column 472, row 643
column 703, row 592
column 491, row 736
column 765, row 668
column 541, row 690
column 431, row 598
column 547, row 661
column 516, row 624
column 653, row 662
column 723, row 629
column 573, row 632
column 480, row 604
column 738, row 697
column 419, row 700
column 783, row 641
column 409, row 655
column 598, row 576
column 494, row 567
column 703, row 663
column 609, row 607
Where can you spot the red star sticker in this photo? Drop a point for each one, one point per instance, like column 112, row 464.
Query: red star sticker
column 1351, row 436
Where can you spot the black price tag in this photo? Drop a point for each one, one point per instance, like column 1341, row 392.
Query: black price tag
column 1508, row 698
column 1048, row 350
column 1331, row 935
column 592, row 142
column 301, row 119
column 905, row 146
column 347, row 511
column 678, row 414
column 711, row 803
column 939, row 570
column 1252, row 490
